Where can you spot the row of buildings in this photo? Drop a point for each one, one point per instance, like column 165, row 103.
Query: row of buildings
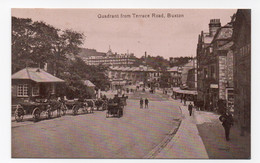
column 123, row 71
column 109, row 58
column 181, row 76
column 223, row 66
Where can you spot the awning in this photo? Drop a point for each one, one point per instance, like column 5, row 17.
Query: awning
column 37, row 75
column 188, row 92
column 88, row 83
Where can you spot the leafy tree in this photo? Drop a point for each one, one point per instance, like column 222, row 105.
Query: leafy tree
column 164, row 80
column 37, row 43
column 179, row 61
column 22, row 39
column 157, row 63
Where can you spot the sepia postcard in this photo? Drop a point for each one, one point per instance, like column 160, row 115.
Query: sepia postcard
column 131, row 83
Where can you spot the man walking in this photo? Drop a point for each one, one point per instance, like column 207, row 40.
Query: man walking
column 190, row 108
column 227, row 122
column 146, row 103
column 141, row 103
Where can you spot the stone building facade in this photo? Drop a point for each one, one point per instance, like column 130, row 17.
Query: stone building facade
column 215, row 66
column 123, row 76
column 175, row 76
column 242, row 68
column 203, row 47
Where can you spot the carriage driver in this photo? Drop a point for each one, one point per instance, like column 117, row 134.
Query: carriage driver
column 116, row 99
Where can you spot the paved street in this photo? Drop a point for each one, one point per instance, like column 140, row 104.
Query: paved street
column 94, row 136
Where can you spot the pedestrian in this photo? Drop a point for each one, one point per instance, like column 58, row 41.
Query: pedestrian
column 190, row 108
column 146, row 103
column 141, row 103
column 227, row 122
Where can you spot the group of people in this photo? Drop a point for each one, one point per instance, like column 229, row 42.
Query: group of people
column 146, row 101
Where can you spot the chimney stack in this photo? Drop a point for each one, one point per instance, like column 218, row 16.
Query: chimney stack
column 214, row 25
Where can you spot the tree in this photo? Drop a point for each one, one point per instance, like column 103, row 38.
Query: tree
column 164, row 80
column 22, row 39
column 37, row 43
column 157, row 63
column 179, row 61
column 98, row 76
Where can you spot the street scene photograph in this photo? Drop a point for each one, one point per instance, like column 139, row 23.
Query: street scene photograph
column 130, row 83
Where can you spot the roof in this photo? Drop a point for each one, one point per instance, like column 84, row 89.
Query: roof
column 173, row 69
column 90, row 52
column 207, row 38
column 37, row 75
column 189, row 64
column 227, row 46
column 224, row 32
column 190, row 92
column 89, row 83
column 117, row 68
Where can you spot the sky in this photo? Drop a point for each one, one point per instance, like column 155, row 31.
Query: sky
column 167, row 37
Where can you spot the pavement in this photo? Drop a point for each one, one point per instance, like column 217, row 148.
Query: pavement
column 213, row 136
column 201, row 136
column 187, row 143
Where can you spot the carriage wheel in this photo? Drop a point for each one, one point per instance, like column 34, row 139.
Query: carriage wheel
column 75, row 110
column 19, row 113
column 36, row 114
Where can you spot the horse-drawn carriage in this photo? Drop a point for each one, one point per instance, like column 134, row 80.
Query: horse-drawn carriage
column 114, row 110
column 115, row 107
column 37, row 108
column 100, row 104
column 76, row 105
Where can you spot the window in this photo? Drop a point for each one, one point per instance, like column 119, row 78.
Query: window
column 213, row 75
column 210, row 49
column 22, row 90
column 35, row 90
column 52, row 88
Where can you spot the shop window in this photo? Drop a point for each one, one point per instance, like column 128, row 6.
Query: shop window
column 22, row 90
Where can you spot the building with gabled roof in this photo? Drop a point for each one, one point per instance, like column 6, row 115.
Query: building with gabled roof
column 215, row 66
column 30, row 83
